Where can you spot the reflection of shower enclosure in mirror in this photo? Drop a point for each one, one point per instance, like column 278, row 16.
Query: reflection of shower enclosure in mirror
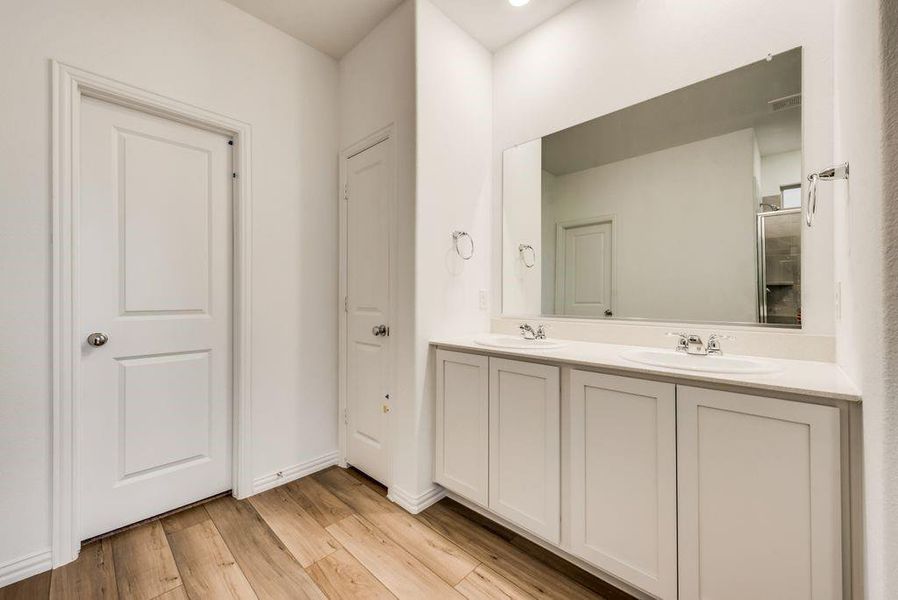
column 779, row 267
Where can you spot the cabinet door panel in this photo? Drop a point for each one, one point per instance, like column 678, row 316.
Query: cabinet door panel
column 462, row 424
column 623, row 478
column 759, row 497
column 525, row 446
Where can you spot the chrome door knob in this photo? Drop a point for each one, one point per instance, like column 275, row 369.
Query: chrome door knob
column 97, row 339
column 380, row 330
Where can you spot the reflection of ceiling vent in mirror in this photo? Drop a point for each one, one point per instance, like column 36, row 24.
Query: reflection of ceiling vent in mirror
column 785, row 102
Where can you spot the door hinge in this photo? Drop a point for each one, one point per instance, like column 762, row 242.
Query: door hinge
column 346, row 192
column 345, row 417
column 345, row 303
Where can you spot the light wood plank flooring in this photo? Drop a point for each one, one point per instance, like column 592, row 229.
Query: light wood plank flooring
column 331, row 535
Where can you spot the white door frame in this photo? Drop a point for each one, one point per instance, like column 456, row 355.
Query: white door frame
column 560, row 276
column 369, row 141
column 70, row 85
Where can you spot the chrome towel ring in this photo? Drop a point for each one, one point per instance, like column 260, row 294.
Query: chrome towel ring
column 830, row 174
column 522, row 250
column 457, row 235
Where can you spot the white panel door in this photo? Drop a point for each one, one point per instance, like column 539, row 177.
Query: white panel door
column 759, row 498
column 155, row 277
column 583, row 286
column 623, row 478
column 461, row 459
column 369, row 180
column 525, row 446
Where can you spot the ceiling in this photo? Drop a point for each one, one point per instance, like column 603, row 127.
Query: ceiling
column 332, row 26
column 494, row 23
column 336, row 26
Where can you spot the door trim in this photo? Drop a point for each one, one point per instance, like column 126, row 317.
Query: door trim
column 387, row 133
column 560, row 276
column 70, row 85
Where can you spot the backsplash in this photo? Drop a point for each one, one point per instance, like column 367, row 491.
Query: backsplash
column 749, row 341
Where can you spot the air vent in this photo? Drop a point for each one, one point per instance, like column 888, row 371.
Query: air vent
column 785, row 102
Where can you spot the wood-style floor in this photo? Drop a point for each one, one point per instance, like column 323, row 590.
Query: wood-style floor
column 330, row 535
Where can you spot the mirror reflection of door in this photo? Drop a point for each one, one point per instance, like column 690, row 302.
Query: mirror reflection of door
column 583, row 268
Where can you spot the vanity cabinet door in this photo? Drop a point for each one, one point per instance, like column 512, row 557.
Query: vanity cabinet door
column 759, row 498
column 623, row 484
column 525, row 446
column 461, row 459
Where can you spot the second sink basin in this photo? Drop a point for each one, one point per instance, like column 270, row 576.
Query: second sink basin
column 707, row 364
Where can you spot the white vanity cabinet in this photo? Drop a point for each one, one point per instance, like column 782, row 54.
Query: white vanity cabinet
column 759, row 498
column 680, row 492
column 461, row 457
column 623, row 478
column 525, row 446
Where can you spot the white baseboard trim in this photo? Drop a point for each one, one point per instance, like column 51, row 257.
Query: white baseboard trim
column 266, row 482
column 415, row 504
column 23, row 568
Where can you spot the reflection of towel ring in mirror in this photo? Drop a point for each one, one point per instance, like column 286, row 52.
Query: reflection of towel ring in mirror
column 521, row 249
column 456, row 235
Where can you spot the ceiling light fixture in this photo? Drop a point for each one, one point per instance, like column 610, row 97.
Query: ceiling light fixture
column 518, row 2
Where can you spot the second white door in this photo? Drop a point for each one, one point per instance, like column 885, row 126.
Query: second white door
column 369, row 188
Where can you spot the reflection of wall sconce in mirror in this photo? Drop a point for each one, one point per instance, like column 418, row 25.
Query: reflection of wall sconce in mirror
column 526, row 250
column 456, row 236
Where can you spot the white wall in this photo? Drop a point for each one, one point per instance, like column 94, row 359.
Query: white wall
column 377, row 89
column 783, row 168
column 209, row 54
column 454, row 146
column 685, row 232
column 865, row 254
column 602, row 55
column 522, row 188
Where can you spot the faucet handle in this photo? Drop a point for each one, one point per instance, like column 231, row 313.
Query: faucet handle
column 541, row 332
column 682, row 343
column 714, row 342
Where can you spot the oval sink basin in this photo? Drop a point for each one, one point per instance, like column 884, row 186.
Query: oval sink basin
column 707, row 364
column 516, row 343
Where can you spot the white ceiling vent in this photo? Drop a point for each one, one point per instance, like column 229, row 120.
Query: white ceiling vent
column 786, row 102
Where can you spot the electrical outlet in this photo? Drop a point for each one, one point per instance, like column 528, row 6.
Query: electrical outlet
column 483, row 300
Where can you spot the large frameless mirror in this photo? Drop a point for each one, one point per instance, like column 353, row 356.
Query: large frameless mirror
column 685, row 207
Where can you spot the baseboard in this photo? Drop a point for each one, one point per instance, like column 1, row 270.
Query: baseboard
column 415, row 504
column 23, row 568
column 266, row 482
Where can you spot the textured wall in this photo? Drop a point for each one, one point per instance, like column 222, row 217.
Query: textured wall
column 889, row 42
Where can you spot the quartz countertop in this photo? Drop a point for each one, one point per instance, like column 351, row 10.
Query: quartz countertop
column 793, row 377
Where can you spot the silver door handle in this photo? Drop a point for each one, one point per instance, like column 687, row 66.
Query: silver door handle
column 380, row 330
column 97, row 339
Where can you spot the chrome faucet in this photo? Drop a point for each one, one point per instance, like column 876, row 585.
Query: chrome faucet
column 528, row 333
column 691, row 343
column 714, row 343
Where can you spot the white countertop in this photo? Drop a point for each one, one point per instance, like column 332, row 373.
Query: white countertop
column 800, row 377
